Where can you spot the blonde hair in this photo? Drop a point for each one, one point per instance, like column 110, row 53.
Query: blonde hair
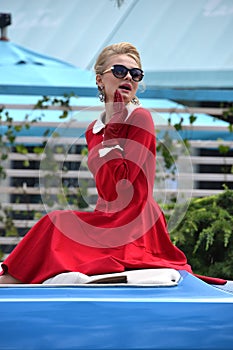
column 123, row 48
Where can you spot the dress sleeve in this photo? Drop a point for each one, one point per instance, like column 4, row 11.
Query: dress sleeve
column 126, row 160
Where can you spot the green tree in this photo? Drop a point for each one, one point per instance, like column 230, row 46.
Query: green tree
column 205, row 235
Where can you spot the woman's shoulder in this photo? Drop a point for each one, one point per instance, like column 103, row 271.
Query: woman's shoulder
column 89, row 132
column 142, row 118
column 141, row 111
column 91, row 125
column 90, row 129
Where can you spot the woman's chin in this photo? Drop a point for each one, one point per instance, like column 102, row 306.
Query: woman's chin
column 126, row 99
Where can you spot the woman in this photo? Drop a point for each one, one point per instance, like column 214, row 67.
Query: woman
column 127, row 230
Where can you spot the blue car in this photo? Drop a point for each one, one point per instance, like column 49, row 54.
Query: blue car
column 187, row 314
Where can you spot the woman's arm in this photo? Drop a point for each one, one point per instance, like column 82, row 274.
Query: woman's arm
column 126, row 154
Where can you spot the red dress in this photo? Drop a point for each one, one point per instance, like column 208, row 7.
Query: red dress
column 127, row 229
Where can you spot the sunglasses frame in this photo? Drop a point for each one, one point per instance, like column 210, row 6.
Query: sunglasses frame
column 111, row 69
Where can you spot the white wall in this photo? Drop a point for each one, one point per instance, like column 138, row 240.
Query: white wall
column 170, row 34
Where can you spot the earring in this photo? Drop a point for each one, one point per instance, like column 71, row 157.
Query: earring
column 135, row 101
column 101, row 93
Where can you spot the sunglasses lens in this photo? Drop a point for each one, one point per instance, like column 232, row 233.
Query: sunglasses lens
column 119, row 71
column 136, row 74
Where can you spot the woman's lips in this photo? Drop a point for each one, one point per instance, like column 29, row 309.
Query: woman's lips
column 125, row 87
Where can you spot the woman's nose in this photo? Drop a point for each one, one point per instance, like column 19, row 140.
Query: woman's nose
column 128, row 76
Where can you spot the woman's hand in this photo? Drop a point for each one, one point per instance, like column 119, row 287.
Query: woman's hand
column 116, row 126
column 119, row 110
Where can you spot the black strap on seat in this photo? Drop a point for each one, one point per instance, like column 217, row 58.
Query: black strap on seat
column 108, row 280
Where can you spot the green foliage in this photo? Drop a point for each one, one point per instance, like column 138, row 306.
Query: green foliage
column 166, row 148
column 206, row 235
column 6, row 220
column 228, row 113
column 223, row 149
column 170, row 148
column 192, row 119
column 63, row 102
column 8, row 133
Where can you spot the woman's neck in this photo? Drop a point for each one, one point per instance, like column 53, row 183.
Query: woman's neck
column 108, row 112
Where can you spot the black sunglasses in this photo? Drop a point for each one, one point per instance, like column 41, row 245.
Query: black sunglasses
column 119, row 71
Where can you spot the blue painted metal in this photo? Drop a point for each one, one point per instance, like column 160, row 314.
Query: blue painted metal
column 26, row 72
column 189, row 94
column 192, row 315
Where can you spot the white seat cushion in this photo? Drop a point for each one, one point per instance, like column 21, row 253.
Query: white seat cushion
column 158, row 277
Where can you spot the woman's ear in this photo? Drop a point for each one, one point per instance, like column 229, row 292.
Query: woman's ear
column 99, row 81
